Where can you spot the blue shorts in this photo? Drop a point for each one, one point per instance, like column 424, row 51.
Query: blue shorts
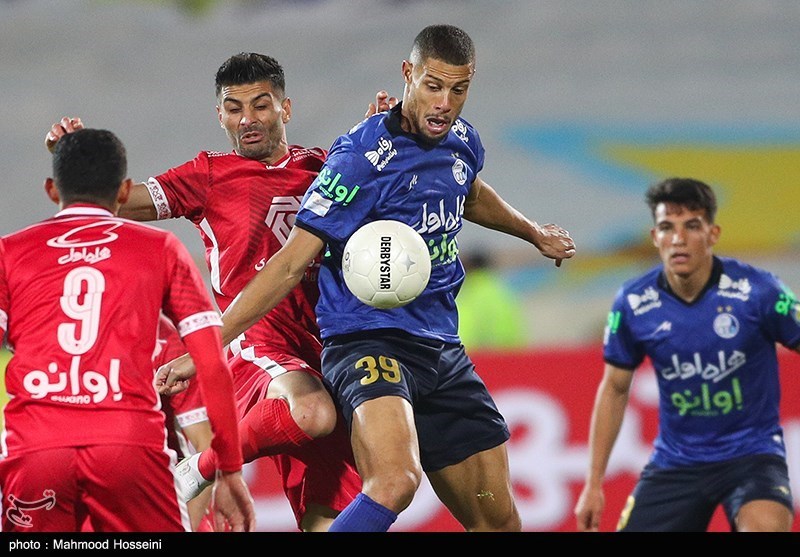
column 454, row 412
column 684, row 499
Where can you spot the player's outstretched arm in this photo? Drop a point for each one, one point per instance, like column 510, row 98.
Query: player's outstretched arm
column 485, row 207
column 271, row 284
column 607, row 415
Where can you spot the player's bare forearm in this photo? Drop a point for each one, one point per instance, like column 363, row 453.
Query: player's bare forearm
column 139, row 205
column 270, row 285
column 485, row 207
column 607, row 416
column 606, row 422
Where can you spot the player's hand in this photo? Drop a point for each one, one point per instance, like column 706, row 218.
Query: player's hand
column 383, row 102
column 232, row 504
column 173, row 377
column 555, row 242
column 589, row 509
column 60, row 129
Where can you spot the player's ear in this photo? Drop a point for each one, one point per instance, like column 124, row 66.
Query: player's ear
column 286, row 104
column 51, row 191
column 714, row 235
column 407, row 68
column 124, row 191
column 219, row 117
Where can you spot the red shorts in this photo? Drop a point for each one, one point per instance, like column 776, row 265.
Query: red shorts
column 321, row 472
column 103, row 488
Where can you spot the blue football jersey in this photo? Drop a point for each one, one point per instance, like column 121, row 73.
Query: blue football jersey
column 715, row 359
column 377, row 171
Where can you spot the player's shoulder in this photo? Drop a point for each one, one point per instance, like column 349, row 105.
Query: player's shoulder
column 732, row 266
column 145, row 230
column 746, row 277
column 307, row 158
column 462, row 127
column 299, row 152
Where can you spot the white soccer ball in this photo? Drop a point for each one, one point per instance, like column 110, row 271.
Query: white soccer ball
column 386, row 264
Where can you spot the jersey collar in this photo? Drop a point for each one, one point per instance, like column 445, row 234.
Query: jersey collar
column 83, row 210
column 393, row 126
column 716, row 273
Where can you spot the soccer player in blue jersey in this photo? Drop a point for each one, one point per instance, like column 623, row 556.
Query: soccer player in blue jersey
column 409, row 392
column 709, row 325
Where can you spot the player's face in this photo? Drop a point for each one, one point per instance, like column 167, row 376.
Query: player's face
column 684, row 238
column 254, row 117
column 433, row 97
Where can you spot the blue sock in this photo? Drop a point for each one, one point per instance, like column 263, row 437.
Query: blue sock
column 363, row 515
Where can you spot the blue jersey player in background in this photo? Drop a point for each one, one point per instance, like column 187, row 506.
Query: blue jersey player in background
column 409, row 392
column 710, row 327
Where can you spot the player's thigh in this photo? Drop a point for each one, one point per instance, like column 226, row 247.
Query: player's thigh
column 131, row 489
column 261, row 373
column 384, row 439
column 478, row 491
column 40, row 492
column 458, row 418
column 760, row 496
column 668, row 501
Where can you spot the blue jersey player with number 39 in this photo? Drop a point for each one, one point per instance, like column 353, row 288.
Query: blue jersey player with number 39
column 410, row 394
column 709, row 326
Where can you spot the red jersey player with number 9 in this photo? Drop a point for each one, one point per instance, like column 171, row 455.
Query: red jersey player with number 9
column 80, row 298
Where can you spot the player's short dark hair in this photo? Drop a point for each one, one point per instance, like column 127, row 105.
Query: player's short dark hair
column 686, row 192
column 250, row 67
column 89, row 165
column 446, row 43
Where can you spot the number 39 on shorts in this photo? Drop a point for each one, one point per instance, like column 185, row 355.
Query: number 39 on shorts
column 383, row 367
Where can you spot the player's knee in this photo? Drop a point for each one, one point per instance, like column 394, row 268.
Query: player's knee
column 764, row 516
column 314, row 413
column 492, row 513
column 394, row 489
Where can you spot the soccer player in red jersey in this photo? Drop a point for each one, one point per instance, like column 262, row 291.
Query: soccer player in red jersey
column 243, row 204
column 80, row 297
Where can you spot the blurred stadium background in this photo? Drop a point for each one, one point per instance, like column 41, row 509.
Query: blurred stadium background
column 581, row 104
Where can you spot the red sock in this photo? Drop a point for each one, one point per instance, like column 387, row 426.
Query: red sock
column 267, row 429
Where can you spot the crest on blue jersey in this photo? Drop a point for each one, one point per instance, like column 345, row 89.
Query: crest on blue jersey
column 460, row 172
column 726, row 325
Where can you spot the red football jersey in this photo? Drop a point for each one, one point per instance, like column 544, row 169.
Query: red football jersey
column 219, row 192
column 80, row 295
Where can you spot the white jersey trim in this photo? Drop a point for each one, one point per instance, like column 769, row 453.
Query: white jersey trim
column 249, row 355
column 199, row 321
column 193, row 416
column 159, row 199
column 213, row 256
